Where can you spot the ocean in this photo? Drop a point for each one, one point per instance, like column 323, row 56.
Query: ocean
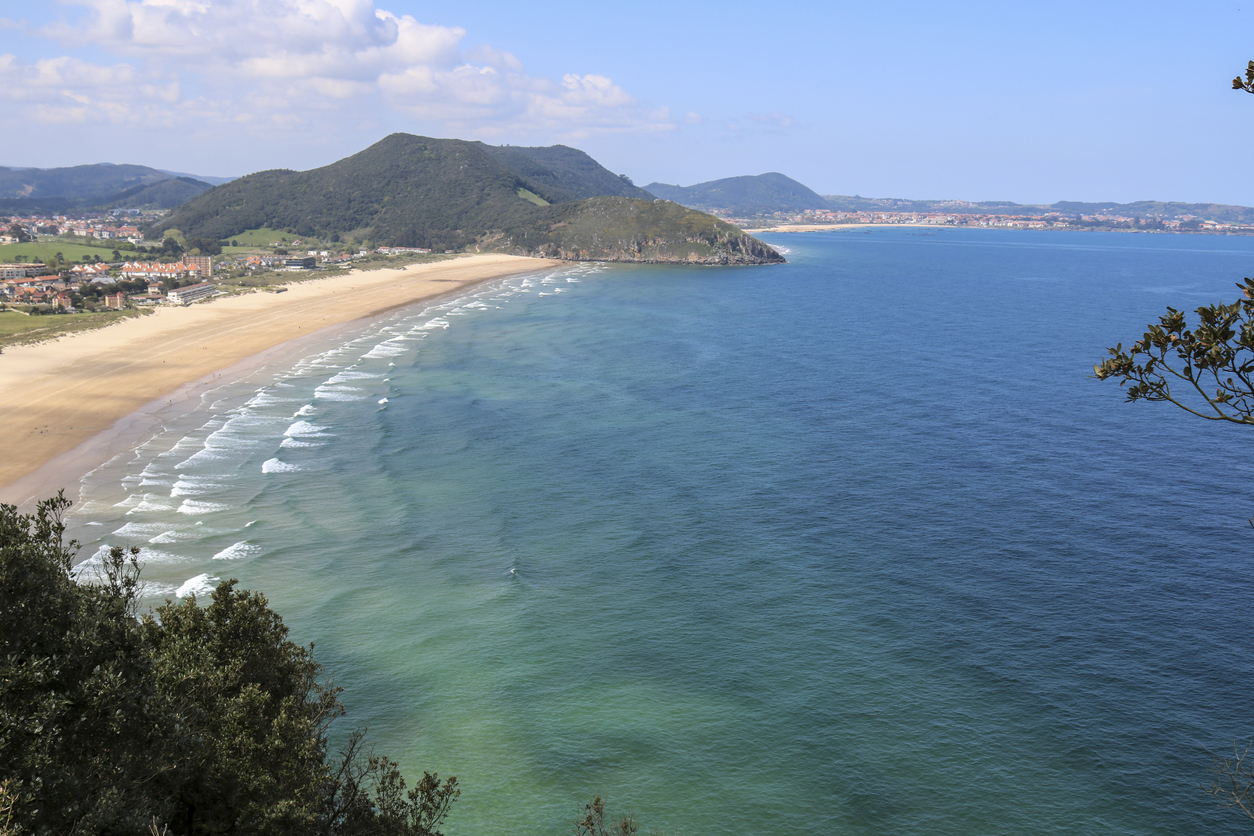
column 851, row 545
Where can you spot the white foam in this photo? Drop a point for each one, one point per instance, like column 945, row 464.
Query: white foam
column 264, row 399
column 200, row 585
column 304, row 429
column 172, row 536
column 197, row 507
column 203, row 457
column 432, row 324
column 238, row 551
column 159, row 556
column 305, row 411
column 276, row 466
column 156, row 483
column 194, row 486
column 151, row 503
column 350, row 374
column 383, row 400
column 339, row 393
column 383, row 350
column 291, row 442
column 138, row 530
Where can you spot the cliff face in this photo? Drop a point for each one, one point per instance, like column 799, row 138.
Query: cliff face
column 623, row 229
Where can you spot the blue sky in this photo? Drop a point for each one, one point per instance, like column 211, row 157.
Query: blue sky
column 979, row 101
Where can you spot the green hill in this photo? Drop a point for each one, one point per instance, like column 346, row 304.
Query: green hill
column 451, row 194
column 633, row 230
column 84, row 188
column 163, row 195
column 761, row 194
column 80, row 182
column 565, row 173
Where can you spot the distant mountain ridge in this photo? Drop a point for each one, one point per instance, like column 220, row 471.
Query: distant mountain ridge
column 447, row 194
column 774, row 193
column 759, row 194
column 1219, row 212
column 98, row 186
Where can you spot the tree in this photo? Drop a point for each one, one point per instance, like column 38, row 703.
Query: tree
column 1248, row 84
column 1211, row 365
column 1233, row 784
column 593, row 822
column 195, row 720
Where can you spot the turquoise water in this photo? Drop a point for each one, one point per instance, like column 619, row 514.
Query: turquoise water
column 848, row 545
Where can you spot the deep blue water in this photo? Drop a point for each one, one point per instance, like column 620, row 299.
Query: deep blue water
column 849, row 545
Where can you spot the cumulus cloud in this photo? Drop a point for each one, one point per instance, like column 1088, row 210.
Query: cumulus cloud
column 277, row 61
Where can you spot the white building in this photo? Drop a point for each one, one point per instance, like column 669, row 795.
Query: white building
column 191, row 293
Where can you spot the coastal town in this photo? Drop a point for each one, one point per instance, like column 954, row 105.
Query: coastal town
column 965, row 215
column 110, row 266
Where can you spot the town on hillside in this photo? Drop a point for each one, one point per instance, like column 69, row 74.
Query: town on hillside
column 101, row 261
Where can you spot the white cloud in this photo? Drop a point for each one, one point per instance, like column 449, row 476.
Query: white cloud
column 279, row 61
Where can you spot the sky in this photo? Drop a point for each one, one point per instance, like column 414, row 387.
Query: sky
column 1034, row 103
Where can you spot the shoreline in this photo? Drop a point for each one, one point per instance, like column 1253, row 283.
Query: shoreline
column 829, row 227
column 72, row 404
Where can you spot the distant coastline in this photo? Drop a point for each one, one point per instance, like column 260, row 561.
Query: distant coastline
column 827, row 227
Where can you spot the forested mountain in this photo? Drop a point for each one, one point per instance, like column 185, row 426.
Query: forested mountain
column 451, row 194
column 565, row 173
column 163, row 195
column 761, row 194
column 78, row 182
column 634, row 230
column 86, row 187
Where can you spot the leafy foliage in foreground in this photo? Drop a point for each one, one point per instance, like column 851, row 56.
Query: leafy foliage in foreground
column 193, row 720
column 1212, row 365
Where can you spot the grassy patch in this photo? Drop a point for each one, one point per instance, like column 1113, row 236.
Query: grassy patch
column 72, row 250
column 264, row 237
column 19, row 329
column 527, row 194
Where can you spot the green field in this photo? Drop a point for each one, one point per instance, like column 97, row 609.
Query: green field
column 72, row 250
column 263, row 237
column 17, row 329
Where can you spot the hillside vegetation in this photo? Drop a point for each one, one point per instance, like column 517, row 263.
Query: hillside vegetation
column 565, row 173
column 447, row 194
column 93, row 187
column 646, row 231
column 761, row 194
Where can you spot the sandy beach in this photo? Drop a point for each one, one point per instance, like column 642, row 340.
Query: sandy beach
column 69, row 405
